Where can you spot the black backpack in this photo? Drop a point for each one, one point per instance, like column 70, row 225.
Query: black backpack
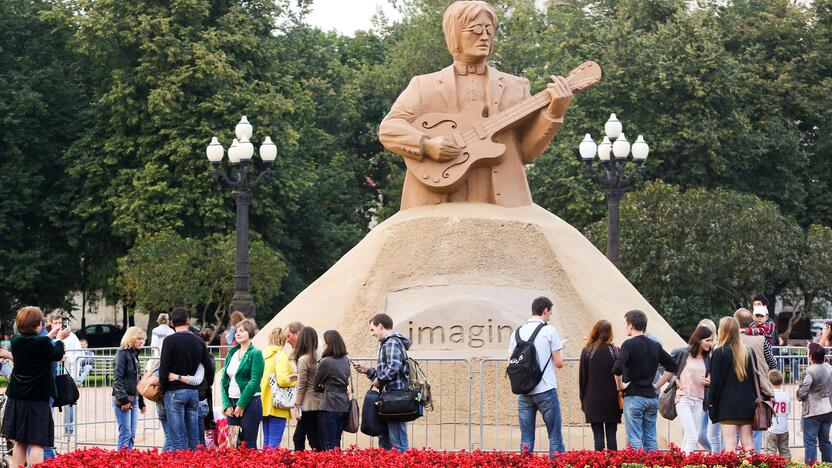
column 67, row 391
column 523, row 371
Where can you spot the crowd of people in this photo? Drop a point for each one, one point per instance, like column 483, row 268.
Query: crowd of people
column 712, row 385
column 252, row 383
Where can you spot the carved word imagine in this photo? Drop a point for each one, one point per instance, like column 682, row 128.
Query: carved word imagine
column 474, row 336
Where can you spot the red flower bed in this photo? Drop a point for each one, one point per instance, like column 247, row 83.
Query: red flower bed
column 377, row 458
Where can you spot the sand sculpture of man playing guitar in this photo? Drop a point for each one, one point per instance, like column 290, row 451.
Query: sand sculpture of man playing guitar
column 467, row 131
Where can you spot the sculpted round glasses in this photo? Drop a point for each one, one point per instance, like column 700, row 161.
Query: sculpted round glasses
column 478, row 29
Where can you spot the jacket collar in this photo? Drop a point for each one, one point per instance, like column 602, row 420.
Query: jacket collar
column 446, row 82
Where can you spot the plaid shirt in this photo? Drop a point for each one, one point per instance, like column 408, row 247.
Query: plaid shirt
column 765, row 329
column 392, row 362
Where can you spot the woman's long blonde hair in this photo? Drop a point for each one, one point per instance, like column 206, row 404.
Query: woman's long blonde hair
column 729, row 335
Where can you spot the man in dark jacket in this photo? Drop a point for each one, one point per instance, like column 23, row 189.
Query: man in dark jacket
column 391, row 373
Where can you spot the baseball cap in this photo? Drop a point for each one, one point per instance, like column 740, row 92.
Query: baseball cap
column 761, row 311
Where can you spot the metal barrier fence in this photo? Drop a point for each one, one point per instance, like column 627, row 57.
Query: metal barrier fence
column 474, row 407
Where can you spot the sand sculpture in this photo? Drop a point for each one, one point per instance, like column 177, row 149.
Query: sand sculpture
column 458, row 266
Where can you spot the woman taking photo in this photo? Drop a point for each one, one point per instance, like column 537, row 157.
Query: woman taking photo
column 277, row 367
column 126, row 399
column 825, row 338
column 331, row 380
column 307, row 400
column 596, row 384
column 241, row 376
column 28, row 417
column 691, row 382
column 732, row 393
column 814, row 392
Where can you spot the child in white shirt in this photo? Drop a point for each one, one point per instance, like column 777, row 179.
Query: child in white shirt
column 777, row 436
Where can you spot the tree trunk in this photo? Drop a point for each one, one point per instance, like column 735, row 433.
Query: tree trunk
column 124, row 317
column 153, row 315
column 83, row 308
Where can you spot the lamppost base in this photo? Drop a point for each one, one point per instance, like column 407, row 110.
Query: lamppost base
column 243, row 302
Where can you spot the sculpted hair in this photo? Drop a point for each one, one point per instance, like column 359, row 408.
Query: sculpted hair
column 457, row 17
column 382, row 319
column 27, row 320
column 131, row 335
column 729, row 335
column 600, row 335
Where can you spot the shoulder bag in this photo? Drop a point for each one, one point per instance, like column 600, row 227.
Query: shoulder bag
column 763, row 412
column 614, row 352
column 282, row 397
column 67, row 391
column 354, row 417
column 148, row 387
column 401, row 405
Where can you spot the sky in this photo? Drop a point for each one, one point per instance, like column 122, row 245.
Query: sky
column 347, row 16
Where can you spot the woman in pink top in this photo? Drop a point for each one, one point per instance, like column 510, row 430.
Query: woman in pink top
column 692, row 378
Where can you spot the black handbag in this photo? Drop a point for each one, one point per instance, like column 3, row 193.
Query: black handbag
column 401, row 405
column 371, row 423
column 67, row 391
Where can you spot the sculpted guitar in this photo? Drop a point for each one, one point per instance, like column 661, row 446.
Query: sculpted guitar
column 472, row 132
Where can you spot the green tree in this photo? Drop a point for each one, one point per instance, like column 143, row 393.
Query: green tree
column 165, row 270
column 702, row 253
column 40, row 96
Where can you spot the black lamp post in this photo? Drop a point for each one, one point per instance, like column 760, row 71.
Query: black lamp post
column 613, row 175
column 240, row 153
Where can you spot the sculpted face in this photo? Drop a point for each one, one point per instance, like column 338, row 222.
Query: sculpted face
column 473, row 47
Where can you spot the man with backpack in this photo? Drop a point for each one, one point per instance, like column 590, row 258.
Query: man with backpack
column 636, row 366
column 391, row 373
column 535, row 351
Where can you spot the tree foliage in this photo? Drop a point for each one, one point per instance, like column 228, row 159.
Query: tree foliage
column 165, row 270
column 702, row 253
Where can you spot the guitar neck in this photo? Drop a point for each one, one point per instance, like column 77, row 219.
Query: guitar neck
column 516, row 112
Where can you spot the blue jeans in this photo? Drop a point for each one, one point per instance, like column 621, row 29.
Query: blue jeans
column 127, row 423
column 163, row 419
column 85, row 372
column 273, row 428
column 816, row 432
column 203, row 412
column 69, row 420
column 758, row 441
column 182, row 411
column 332, row 426
column 714, row 436
column 395, row 436
column 249, row 422
column 640, row 421
column 703, row 432
column 549, row 406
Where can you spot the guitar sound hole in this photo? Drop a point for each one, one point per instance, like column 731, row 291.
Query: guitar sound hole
column 425, row 124
column 465, row 156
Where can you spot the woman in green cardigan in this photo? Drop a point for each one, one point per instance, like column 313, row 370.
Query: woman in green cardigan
column 241, row 377
column 28, row 417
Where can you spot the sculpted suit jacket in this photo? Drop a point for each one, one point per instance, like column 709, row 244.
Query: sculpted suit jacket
column 502, row 184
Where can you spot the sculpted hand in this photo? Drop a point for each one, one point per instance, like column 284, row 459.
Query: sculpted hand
column 440, row 149
column 561, row 96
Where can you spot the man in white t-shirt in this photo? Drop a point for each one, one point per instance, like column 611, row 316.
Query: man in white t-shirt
column 544, row 396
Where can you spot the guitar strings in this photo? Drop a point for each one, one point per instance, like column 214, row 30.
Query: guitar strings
column 525, row 107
